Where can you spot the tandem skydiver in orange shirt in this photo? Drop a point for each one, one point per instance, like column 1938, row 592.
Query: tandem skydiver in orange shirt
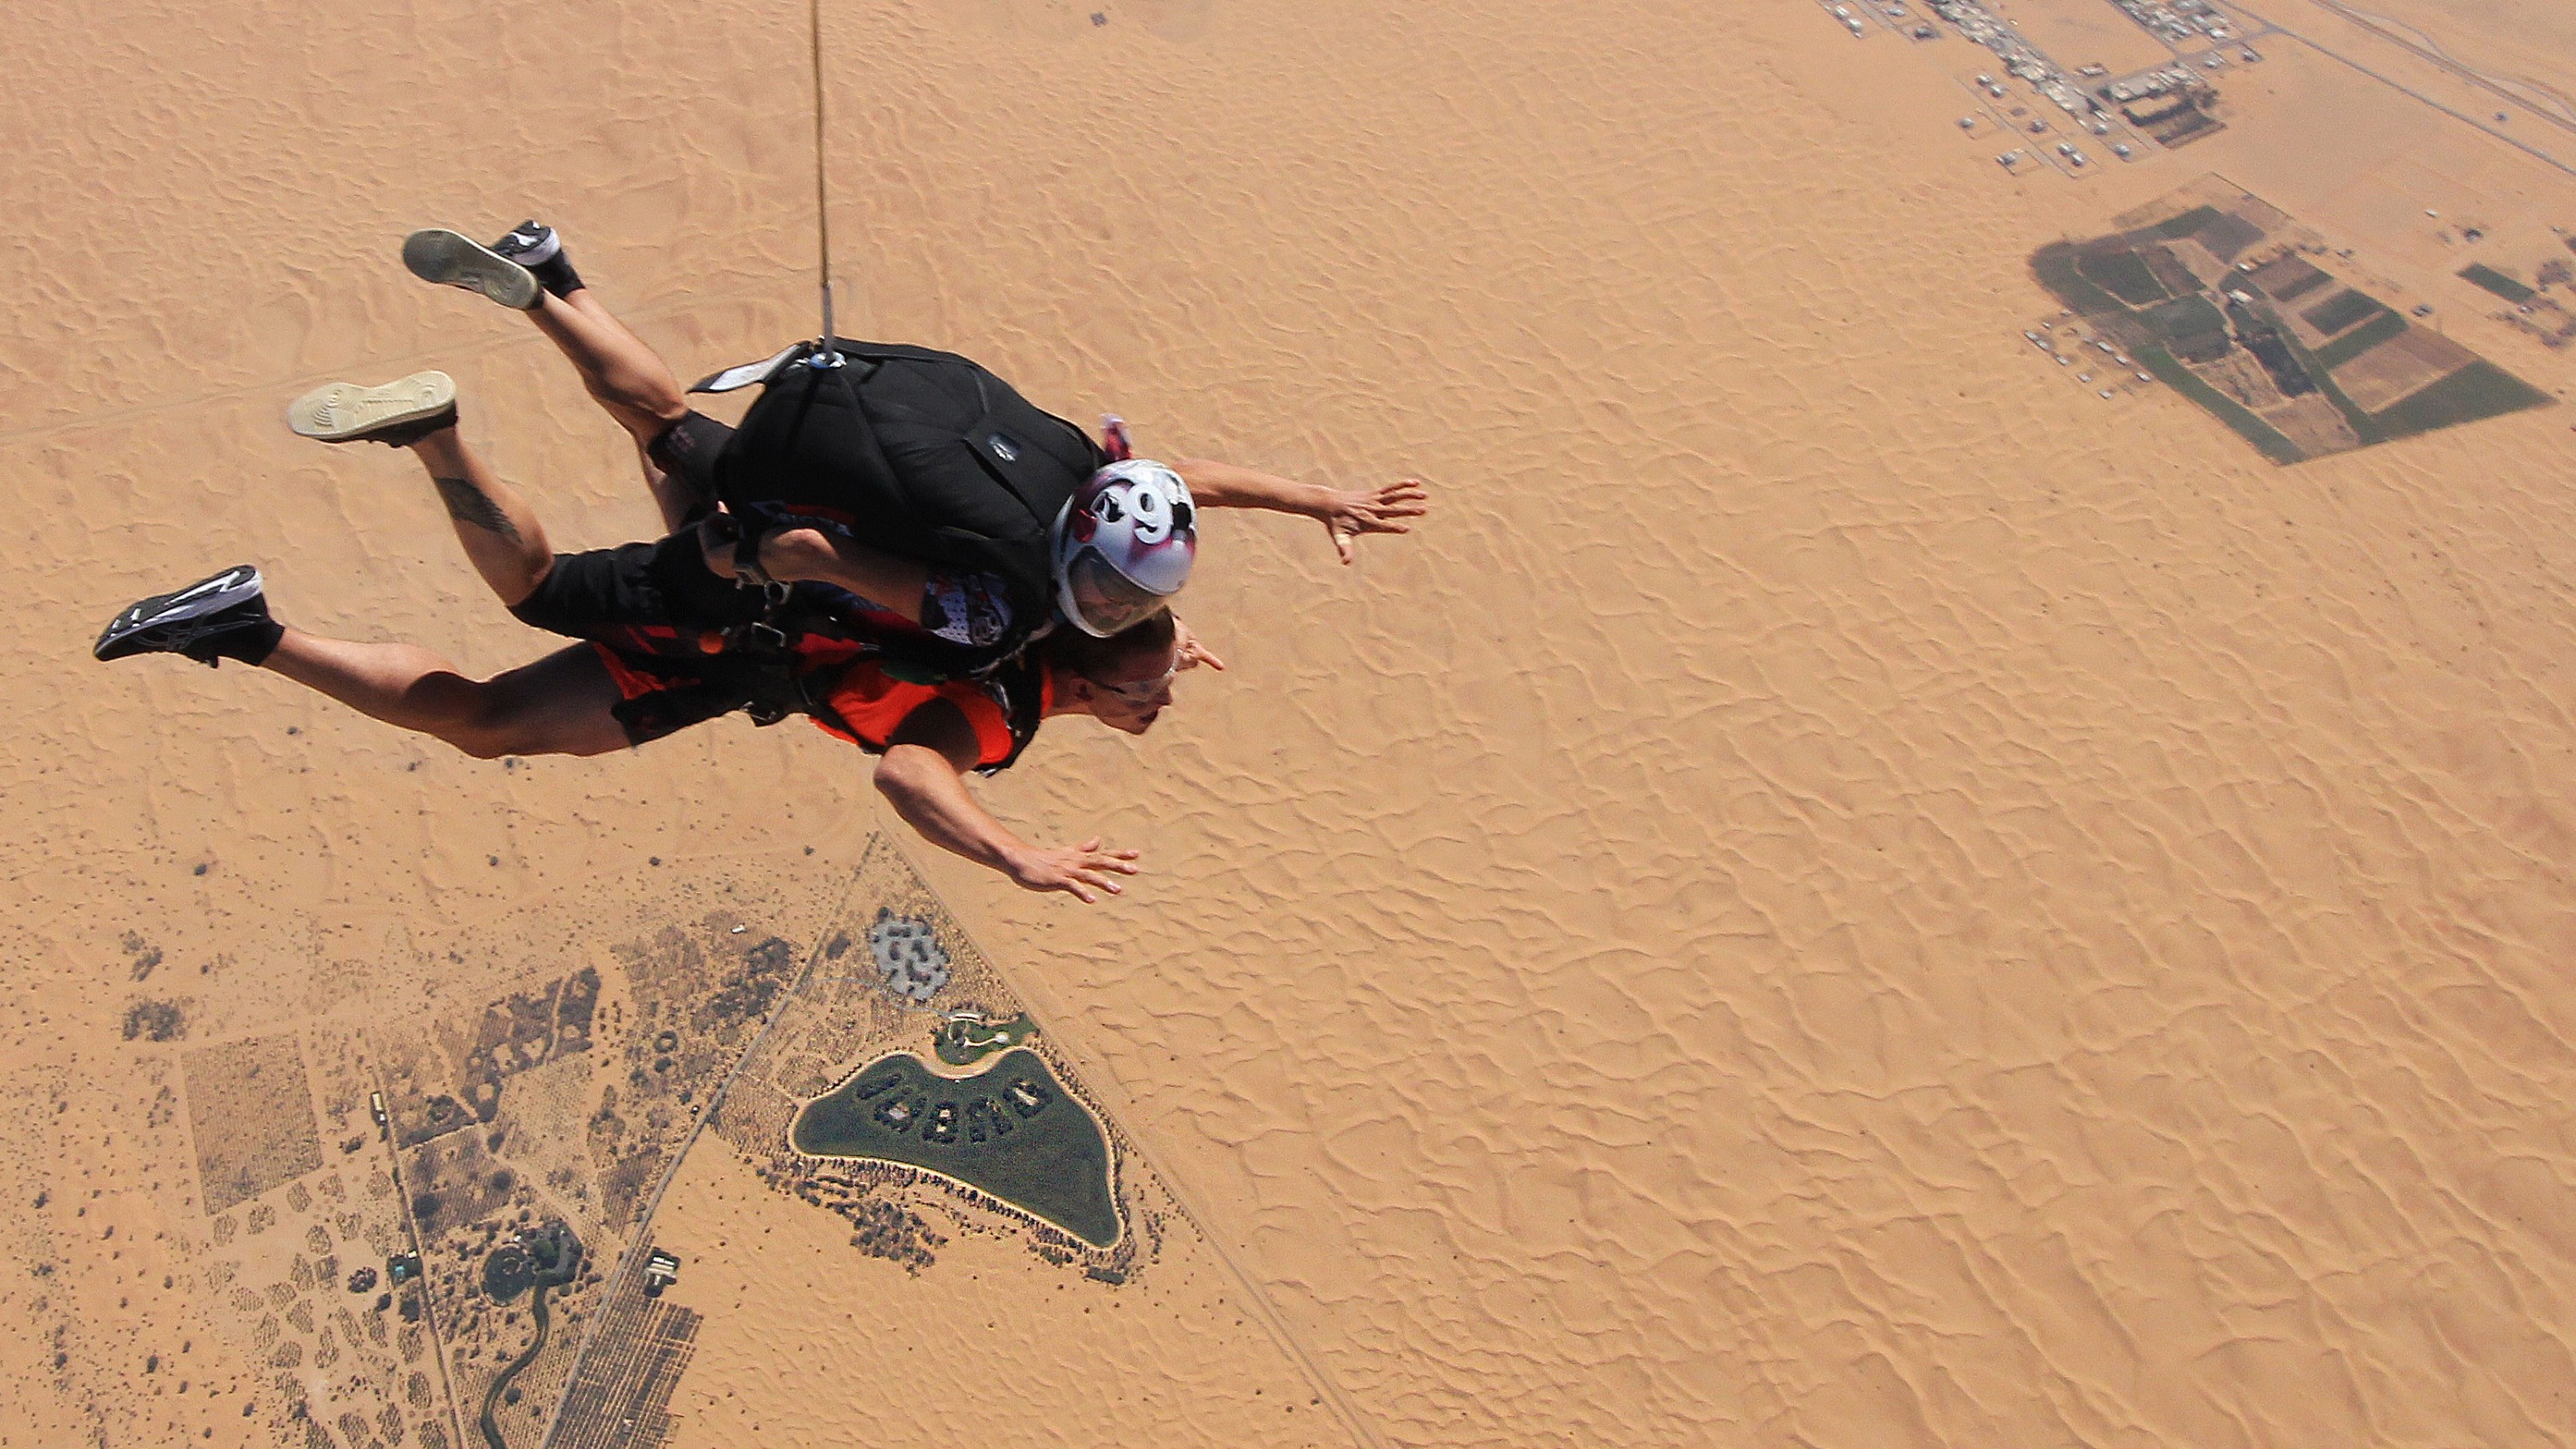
column 670, row 641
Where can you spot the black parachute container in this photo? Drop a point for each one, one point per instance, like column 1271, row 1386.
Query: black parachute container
column 917, row 452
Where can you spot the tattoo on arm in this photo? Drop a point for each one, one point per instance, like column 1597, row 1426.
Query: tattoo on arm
column 472, row 506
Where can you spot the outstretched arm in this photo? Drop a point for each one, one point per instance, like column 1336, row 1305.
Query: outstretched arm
column 923, row 776
column 1346, row 513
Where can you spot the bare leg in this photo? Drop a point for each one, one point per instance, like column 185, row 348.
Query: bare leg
column 678, row 503
column 559, row 705
column 499, row 530
column 628, row 378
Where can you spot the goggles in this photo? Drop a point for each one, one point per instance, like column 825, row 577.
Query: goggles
column 1145, row 691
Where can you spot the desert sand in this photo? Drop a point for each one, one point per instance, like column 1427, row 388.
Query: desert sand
column 1842, row 890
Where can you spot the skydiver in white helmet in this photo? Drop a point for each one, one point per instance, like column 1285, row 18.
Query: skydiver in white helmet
column 1120, row 551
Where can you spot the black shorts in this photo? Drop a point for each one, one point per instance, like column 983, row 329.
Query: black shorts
column 687, row 451
column 639, row 595
column 657, row 615
column 660, row 696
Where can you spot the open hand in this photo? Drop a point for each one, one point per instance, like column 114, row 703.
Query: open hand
column 1352, row 512
column 1076, row 870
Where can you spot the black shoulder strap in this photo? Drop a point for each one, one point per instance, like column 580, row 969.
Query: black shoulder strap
column 1021, row 686
column 735, row 378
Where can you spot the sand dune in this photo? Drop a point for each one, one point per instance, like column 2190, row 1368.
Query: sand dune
column 1842, row 891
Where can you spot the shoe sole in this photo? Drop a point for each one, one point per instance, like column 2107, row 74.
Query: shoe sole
column 344, row 412
column 210, row 595
column 453, row 259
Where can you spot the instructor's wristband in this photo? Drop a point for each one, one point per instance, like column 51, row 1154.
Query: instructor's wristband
column 721, row 528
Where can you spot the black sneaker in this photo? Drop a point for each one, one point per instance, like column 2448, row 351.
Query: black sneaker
column 537, row 247
column 223, row 617
column 398, row 413
column 454, row 260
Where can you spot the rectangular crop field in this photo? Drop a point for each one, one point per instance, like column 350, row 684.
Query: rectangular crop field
column 2287, row 279
column 2497, row 282
column 2175, row 274
column 2382, row 328
column 2479, row 390
column 2053, row 266
column 2124, row 275
column 2228, row 234
column 2177, row 226
column 2340, row 311
column 2413, row 359
column 250, row 1111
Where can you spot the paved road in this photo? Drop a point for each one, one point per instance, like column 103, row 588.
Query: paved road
column 2410, row 92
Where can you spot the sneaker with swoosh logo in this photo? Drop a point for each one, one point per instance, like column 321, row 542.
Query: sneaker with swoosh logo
column 453, row 259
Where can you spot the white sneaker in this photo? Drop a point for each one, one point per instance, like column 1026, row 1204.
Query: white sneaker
column 453, row 259
column 398, row 413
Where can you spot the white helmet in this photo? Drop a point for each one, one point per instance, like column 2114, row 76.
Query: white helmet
column 1123, row 545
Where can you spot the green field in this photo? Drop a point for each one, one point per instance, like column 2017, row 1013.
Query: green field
column 2186, row 317
column 2302, row 287
column 963, row 1043
column 2192, row 327
column 2246, row 425
column 2130, row 282
column 2124, row 275
column 2175, row 228
column 1051, row 1160
column 2361, row 339
column 2479, row 390
column 2340, row 311
column 2053, row 266
column 2497, row 282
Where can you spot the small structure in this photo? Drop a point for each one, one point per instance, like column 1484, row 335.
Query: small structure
column 402, row 1267
column 376, row 1109
column 661, row 1270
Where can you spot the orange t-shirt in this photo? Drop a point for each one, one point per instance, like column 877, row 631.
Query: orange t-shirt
column 872, row 705
column 861, row 700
